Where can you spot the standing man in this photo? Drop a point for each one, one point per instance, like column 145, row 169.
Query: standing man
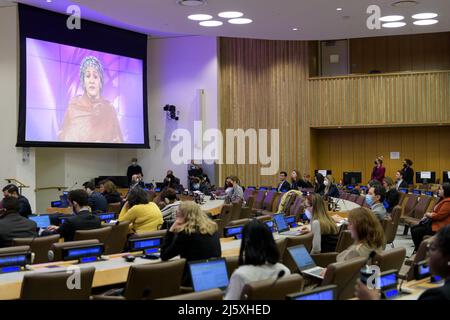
column 284, row 185
column 408, row 172
column 11, row 190
column 133, row 169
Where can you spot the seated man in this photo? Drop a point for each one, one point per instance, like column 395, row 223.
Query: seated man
column 374, row 198
column 83, row 219
column 12, row 224
column 96, row 200
column 171, row 181
column 11, row 190
column 137, row 181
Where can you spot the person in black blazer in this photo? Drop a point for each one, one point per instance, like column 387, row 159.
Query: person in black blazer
column 13, row 225
column 408, row 172
column 12, row 190
column 170, row 181
column 296, row 181
column 83, row 219
column 392, row 195
column 97, row 201
column 193, row 236
column 284, row 185
column 319, row 184
column 439, row 262
column 400, row 183
column 331, row 189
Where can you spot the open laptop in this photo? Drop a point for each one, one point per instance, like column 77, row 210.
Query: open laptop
column 304, row 261
column 282, row 227
column 320, row 293
column 209, row 274
column 42, row 221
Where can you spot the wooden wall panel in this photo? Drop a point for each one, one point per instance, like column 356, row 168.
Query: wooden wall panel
column 266, row 85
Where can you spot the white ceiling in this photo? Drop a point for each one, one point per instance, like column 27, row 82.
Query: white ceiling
column 273, row 19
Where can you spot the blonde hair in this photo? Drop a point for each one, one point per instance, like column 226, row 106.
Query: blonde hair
column 367, row 226
column 331, row 181
column 109, row 187
column 195, row 219
column 327, row 225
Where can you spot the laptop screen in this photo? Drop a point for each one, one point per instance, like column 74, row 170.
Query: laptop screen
column 209, row 274
column 320, row 295
column 280, row 222
column 42, row 221
column 301, row 257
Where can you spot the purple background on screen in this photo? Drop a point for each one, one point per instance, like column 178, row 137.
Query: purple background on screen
column 53, row 78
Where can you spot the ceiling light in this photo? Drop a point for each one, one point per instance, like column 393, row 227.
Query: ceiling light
column 294, row 29
column 191, row 3
column 391, row 18
column 394, row 24
column 230, row 14
column 49, row 1
column 339, row 9
column 240, row 21
column 428, row 22
column 199, row 17
column 211, row 23
column 404, row 4
column 429, row 15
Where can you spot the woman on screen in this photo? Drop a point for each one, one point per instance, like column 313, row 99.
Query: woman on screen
column 90, row 118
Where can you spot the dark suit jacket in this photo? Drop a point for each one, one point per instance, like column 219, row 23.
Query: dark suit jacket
column 84, row 220
column 13, row 225
column 98, row 202
column 403, row 185
column 132, row 170
column 408, row 175
column 25, row 208
column 284, row 187
column 333, row 191
column 174, row 183
column 441, row 293
column 113, row 197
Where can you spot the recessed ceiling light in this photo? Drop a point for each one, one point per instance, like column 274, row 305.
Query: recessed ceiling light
column 339, row 9
column 428, row 22
column 294, row 29
column 230, row 14
column 240, row 21
column 391, row 18
column 404, row 4
column 49, row 1
column 191, row 3
column 211, row 23
column 394, row 24
column 199, row 17
column 429, row 15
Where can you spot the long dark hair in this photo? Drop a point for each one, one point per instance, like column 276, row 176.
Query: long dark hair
column 137, row 196
column 446, row 188
column 258, row 245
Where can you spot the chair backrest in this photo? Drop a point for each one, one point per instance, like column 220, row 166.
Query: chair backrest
column 114, row 207
column 213, row 294
column 390, row 259
column 277, row 201
column 259, row 199
column 226, row 213
column 421, row 206
column 268, row 200
column 390, row 225
column 16, row 249
column 248, row 193
column 232, row 264
column 409, row 204
column 101, row 234
column 151, row 195
column 420, row 255
column 250, row 202
column 149, row 234
column 344, row 240
column 360, row 200
column 118, row 237
column 55, row 252
column 305, row 239
column 295, row 208
column 53, row 285
column 353, row 197
column 344, row 276
column 281, row 246
column 236, row 210
column 264, row 218
column 239, row 222
column 346, row 196
column 39, row 246
column 401, row 198
column 271, row 290
column 154, row 280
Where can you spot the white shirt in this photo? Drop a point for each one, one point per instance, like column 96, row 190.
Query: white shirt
column 317, row 237
column 249, row 273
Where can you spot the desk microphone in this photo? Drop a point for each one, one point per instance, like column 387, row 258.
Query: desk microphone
column 279, row 276
column 371, row 255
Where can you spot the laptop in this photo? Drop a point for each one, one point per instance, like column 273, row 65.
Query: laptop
column 42, row 221
column 209, row 274
column 282, row 227
column 304, row 262
column 318, row 294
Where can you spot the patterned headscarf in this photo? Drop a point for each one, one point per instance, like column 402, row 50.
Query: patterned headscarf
column 91, row 61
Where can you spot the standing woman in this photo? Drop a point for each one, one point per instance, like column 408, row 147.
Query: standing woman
column 319, row 184
column 378, row 171
column 296, row 182
column 408, row 172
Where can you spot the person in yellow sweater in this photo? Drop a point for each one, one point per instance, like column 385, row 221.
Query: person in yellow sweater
column 142, row 214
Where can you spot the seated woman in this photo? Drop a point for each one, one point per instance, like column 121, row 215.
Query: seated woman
column 331, row 189
column 296, row 181
column 432, row 222
column 171, row 204
column 235, row 193
column 110, row 192
column 144, row 216
column 258, row 259
column 392, row 197
column 366, row 231
column 193, row 236
column 324, row 229
column 319, row 186
column 439, row 262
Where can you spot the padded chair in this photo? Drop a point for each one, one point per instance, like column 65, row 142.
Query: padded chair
column 418, row 212
column 344, row 276
column 246, row 211
column 390, row 225
column 248, row 193
column 149, row 234
column 344, row 241
column 353, row 198
column 273, row 289
column 53, row 285
column 259, row 200
column 115, row 207
column 213, row 294
column 305, row 239
column 117, row 239
column 13, row 250
column 224, row 217
column 101, row 234
column 390, row 259
column 407, row 270
column 296, row 208
column 360, row 200
column 268, row 201
column 55, row 252
column 151, row 281
column 236, row 210
column 240, row 222
column 151, row 195
column 39, row 246
column 232, row 264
